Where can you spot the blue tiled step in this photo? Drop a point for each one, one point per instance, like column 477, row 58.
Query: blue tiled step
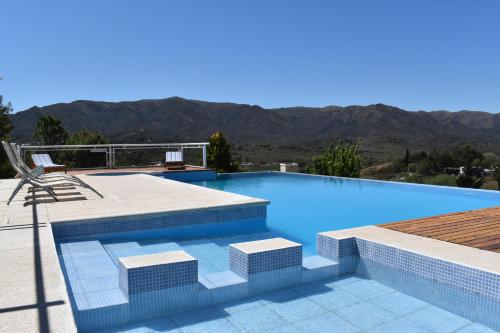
column 98, row 301
column 316, row 268
column 96, row 298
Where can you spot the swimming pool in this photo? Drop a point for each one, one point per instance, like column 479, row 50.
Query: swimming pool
column 303, row 205
column 300, row 207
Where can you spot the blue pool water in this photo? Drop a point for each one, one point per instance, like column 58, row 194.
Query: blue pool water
column 303, row 205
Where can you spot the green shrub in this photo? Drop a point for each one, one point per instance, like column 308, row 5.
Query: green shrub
column 343, row 160
column 219, row 155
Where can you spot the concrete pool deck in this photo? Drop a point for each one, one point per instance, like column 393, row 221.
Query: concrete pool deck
column 34, row 296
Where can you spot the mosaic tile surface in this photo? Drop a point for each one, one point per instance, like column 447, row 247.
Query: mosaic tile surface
column 304, row 309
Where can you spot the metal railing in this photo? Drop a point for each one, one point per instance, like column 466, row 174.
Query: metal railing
column 110, row 149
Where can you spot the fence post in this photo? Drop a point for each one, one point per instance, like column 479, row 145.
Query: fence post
column 107, row 158
column 205, row 156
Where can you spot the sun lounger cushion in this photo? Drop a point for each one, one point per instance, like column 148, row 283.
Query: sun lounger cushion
column 173, row 157
column 44, row 160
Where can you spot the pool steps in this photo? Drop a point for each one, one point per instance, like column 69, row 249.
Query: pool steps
column 167, row 282
column 256, row 268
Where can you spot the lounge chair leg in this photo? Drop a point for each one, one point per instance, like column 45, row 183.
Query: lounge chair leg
column 52, row 194
column 92, row 189
column 17, row 189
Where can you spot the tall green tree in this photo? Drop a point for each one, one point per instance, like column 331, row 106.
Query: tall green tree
column 407, row 160
column 469, row 159
column 50, row 131
column 219, row 155
column 466, row 156
column 82, row 158
column 342, row 160
column 470, row 178
column 6, row 170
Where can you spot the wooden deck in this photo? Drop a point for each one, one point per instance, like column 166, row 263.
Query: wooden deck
column 477, row 228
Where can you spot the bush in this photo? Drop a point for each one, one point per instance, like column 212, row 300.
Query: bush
column 219, row 155
column 342, row 160
column 83, row 158
column 445, row 180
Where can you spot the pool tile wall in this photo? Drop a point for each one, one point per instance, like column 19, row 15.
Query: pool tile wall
column 190, row 175
column 464, row 303
column 449, row 273
column 335, row 248
column 200, row 222
column 158, row 302
column 344, row 251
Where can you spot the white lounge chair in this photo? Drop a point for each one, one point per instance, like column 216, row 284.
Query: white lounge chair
column 16, row 151
column 173, row 160
column 45, row 161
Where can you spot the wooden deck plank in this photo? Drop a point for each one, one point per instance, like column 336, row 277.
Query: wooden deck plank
column 476, row 228
column 487, row 222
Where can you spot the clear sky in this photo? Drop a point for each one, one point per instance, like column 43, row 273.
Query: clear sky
column 421, row 54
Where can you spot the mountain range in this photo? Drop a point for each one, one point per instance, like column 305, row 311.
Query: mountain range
column 259, row 134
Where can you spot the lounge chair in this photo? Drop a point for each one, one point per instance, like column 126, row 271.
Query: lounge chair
column 174, row 161
column 45, row 161
column 16, row 151
column 36, row 177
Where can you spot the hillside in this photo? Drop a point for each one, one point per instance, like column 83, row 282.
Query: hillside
column 272, row 134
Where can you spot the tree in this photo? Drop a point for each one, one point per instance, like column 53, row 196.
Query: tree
column 82, row 158
column 470, row 178
column 466, row 156
column 342, row 160
column 219, row 154
column 49, row 131
column 6, row 170
column 407, row 160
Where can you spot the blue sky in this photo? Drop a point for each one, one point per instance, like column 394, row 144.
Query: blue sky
column 421, row 54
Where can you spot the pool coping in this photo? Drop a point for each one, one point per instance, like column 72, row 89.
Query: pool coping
column 108, row 217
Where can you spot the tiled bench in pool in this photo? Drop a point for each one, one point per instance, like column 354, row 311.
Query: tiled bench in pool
column 157, row 271
column 250, row 258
